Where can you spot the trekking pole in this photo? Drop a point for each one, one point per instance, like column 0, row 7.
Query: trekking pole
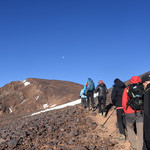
column 108, row 118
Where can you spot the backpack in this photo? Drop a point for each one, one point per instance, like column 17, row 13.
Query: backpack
column 136, row 95
column 90, row 86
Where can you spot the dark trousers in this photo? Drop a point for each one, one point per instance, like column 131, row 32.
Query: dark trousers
column 83, row 102
column 101, row 104
column 121, row 121
column 144, row 146
column 90, row 97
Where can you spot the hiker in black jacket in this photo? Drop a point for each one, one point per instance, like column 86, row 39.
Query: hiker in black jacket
column 116, row 97
column 102, row 91
column 146, row 83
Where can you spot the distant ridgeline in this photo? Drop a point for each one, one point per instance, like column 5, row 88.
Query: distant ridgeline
column 33, row 94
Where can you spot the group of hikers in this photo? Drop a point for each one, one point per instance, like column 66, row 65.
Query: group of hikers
column 87, row 96
column 132, row 105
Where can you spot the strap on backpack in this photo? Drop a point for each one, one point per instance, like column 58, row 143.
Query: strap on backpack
column 128, row 100
column 131, row 94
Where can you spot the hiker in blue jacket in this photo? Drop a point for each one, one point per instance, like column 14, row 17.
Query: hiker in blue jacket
column 83, row 97
column 89, row 91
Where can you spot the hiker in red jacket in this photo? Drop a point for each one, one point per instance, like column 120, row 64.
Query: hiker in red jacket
column 133, row 118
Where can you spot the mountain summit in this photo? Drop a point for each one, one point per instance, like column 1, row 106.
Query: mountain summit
column 34, row 94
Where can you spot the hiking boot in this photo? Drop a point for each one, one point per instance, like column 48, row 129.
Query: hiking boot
column 100, row 114
column 87, row 109
column 93, row 109
column 104, row 114
column 121, row 137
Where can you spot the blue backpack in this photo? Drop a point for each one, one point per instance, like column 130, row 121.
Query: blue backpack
column 90, row 86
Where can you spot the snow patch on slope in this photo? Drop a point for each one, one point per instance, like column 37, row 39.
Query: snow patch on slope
column 45, row 106
column 10, row 110
column 25, row 83
column 22, row 101
column 78, row 101
column 53, row 105
column 37, row 97
column 59, row 107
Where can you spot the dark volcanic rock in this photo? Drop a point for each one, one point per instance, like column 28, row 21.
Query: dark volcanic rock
column 93, row 125
column 71, row 128
column 12, row 143
column 66, row 129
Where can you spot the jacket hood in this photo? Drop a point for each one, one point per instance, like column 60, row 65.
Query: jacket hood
column 119, row 83
column 135, row 79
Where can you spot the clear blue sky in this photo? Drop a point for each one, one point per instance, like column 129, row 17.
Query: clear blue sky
column 72, row 40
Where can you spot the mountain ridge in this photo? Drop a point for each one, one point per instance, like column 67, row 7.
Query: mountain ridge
column 69, row 128
column 35, row 94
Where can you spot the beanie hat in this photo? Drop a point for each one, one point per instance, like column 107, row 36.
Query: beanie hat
column 146, row 77
column 100, row 82
column 135, row 79
column 116, row 80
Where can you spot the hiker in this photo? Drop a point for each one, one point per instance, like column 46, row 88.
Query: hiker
column 134, row 117
column 116, row 97
column 83, row 98
column 89, row 92
column 102, row 91
column 146, row 83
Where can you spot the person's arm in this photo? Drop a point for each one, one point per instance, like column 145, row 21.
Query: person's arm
column 96, row 89
column 94, row 86
column 106, row 90
column 81, row 93
column 113, row 96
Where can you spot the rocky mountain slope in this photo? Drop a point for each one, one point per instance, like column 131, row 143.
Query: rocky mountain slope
column 36, row 94
column 33, row 95
column 71, row 128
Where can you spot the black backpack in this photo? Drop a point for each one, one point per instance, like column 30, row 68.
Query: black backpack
column 136, row 95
